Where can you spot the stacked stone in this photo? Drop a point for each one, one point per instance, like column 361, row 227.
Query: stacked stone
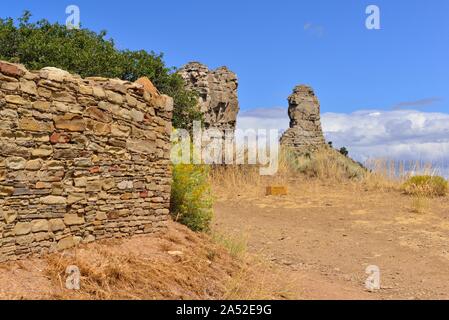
column 305, row 134
column 80, row 160
column 217, row 94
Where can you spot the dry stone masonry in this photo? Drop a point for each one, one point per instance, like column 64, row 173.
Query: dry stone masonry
column 80, row 160
column 305, row 133
column 217, row 91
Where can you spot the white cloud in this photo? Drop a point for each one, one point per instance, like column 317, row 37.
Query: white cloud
column 399, row 135
column 314, row 29
column 272, row 118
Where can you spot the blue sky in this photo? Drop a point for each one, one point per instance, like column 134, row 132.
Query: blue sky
column 274, row 45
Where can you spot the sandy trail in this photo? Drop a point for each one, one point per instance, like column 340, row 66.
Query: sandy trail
column 324, row 238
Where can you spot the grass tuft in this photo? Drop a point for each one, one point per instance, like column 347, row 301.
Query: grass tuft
column 426, row 186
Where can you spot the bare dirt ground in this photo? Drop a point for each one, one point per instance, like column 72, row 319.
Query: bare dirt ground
column 324, row 237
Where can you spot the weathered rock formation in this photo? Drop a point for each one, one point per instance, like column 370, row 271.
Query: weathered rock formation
column 305, row 133
column 217, row 91
column 80, row 160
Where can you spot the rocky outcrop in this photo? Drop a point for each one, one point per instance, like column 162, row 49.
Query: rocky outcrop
column 217, row 94
column 305, row 133
column 80, row 159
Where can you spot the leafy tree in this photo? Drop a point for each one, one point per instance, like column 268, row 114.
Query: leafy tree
column 87, row 53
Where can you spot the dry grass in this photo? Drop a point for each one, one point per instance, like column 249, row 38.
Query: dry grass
column 256, row 279
column 236, row 178
column 426, row 186
column 237, row 246
column 387, row 175
column 244, row 179
column 264, row 284
column 327, row 166
column 123, row 276
column 108, row 273
column 384, row 175
column 144, row 269
column 419, row 204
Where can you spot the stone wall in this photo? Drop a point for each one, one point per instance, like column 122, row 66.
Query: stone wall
column 80, row 160
column 305, row 133
column 217, row 94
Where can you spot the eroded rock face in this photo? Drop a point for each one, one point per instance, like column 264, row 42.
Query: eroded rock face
column 305, row 133
column 217, row 91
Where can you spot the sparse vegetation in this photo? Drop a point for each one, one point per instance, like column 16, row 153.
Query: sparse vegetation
column 236, row 245
column 425, row 185
column 191, row 199
column 325, row 164
column 419, row 204
column 247, row 285
column 383, row 175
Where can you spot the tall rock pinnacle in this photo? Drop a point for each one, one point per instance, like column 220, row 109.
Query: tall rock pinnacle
column 217, row 91
column 305, row 133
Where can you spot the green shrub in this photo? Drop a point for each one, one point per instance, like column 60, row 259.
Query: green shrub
column 191, row 199
column 344, row 151
column 87, row 53
column 430, row 186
